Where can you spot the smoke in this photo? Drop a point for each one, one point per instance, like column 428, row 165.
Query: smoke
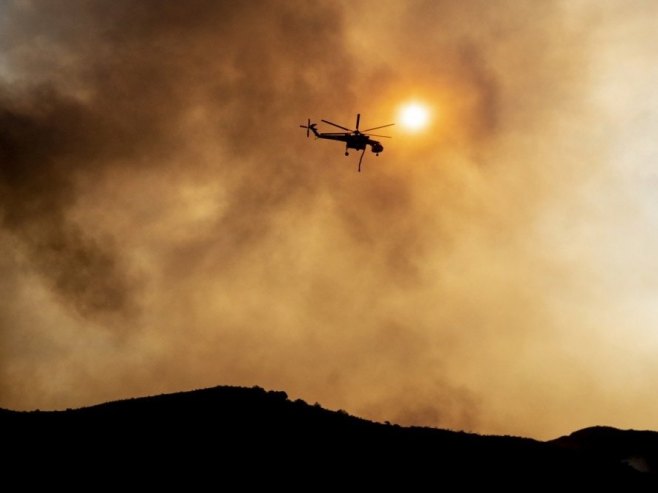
column 166, row 225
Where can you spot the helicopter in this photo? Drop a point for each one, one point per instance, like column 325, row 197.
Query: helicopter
column 354, row 139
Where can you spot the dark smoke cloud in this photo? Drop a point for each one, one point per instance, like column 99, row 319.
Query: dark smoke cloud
column 129, row 75
column 41, row 148
column 165, row 226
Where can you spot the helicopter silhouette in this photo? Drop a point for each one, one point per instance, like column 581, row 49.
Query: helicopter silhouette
column 354, row 139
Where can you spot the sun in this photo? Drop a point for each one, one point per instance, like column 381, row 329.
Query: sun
column 414, row 116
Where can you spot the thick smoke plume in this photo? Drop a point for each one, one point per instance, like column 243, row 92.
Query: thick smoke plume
column 166, row 225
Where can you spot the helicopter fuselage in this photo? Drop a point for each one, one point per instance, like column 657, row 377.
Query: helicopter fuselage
column 356, row 141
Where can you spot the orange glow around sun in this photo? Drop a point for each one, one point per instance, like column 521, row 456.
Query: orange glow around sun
column 414, row 116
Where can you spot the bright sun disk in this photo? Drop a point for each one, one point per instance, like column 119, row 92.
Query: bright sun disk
column 414, row 116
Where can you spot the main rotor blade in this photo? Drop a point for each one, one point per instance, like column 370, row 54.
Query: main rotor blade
column 375, row 135
column 376, row 128
column 335, row 125
column 358, row 119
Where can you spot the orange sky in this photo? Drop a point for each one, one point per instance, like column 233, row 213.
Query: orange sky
column 166, row 225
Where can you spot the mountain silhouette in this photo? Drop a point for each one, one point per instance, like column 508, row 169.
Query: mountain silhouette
column 261, row 437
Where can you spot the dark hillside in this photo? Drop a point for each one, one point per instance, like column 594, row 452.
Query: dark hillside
column 225, row 429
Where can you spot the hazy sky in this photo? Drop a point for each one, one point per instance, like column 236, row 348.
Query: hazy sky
column 165, row 224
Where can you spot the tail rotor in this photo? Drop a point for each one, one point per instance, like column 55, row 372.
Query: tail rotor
column 307, row 127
